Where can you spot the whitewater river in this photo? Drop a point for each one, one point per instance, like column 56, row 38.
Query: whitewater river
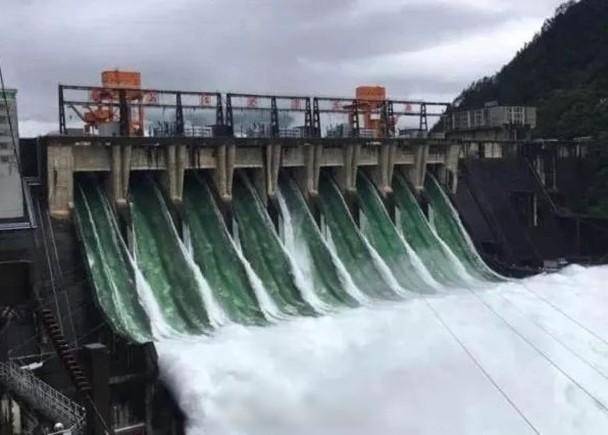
column 519, row 357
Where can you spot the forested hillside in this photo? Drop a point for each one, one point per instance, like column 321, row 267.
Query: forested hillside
column 563, row 71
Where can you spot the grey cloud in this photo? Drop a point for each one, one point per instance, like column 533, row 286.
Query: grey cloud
column 226, row 45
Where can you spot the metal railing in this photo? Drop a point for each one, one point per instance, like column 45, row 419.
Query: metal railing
column 44, row 398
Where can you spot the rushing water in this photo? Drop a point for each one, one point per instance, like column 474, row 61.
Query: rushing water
column 391, row 328
column 511, row 358
column 216, row 255
column 109, row 265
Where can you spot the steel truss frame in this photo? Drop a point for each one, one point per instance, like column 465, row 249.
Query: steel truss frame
column 312, row 108
column 274, row 109
column 124, row 105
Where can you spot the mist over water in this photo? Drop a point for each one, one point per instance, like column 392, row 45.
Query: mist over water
column 511, row 358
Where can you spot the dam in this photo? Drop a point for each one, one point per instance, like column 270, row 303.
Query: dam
column 201, row 282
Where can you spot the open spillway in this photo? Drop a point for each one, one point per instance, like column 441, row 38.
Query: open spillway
column 303, row 238
column 430, row 248
column 216, row 255
column 161, row 257
column 334, row 328
column 350, row 245
column 384, row 237
column 446, row 222
column 110, row 269
column 261, row 246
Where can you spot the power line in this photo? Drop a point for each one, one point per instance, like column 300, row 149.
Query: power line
column 478, row 364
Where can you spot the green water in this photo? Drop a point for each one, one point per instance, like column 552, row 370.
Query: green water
column 213, row 279
column 263, row 250
column 383, row 236
column 312, row 253
column 349, row 243
column 418, row 233
column 216, row 256
column 109, row 265
column 448, row 226
column 163, row 263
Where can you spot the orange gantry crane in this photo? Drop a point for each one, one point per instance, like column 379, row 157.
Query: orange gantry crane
column 103, row 111
column 371, row 99
column 371, row 102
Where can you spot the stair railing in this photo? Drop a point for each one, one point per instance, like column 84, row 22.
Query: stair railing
column 44, row 398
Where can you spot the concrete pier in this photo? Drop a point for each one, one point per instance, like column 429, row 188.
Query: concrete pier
column 173, row 156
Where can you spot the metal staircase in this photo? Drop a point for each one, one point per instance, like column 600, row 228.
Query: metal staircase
column 41, row 397
column 65, row 353
column 53, row 276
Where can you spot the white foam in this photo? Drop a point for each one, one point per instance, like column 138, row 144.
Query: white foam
column 235, row 236
column 382, row 267
column 423, row 272
column 300, row 257
column 159, row 326
column 385, row 271
column 347, row 281
column 215, row 312
column 431, row 218
column 462, row 230
column 269, row 308
column 187, row 236
column 419, row 265
column 117, row 305
column 455, row 262
column 267, row 305
column 460, row 363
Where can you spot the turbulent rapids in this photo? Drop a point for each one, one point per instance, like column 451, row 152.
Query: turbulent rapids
column 342, row 324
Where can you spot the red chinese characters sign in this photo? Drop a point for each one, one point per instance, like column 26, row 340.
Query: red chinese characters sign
column 206, row 100
column 151, row 98
column 252, row 102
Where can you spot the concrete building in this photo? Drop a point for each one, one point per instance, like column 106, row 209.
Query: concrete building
column 11, row 192
column 493, row 122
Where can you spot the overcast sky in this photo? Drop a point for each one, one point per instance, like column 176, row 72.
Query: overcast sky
column 416, row 48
